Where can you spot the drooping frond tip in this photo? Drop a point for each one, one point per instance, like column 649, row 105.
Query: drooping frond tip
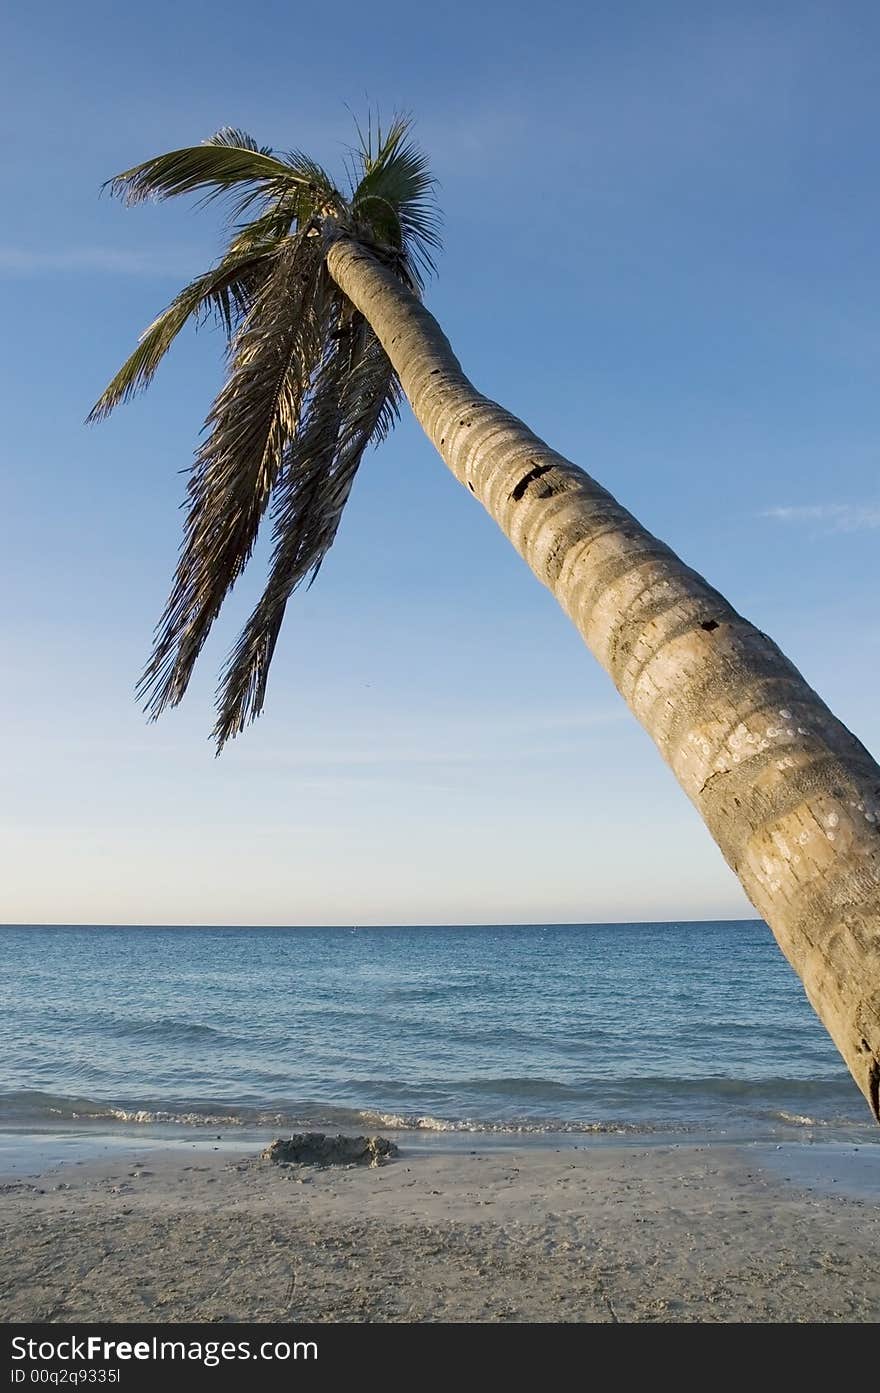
column 308, row 385
column 353, row 403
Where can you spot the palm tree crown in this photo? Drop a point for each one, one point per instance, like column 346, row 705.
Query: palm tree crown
column 308, row 385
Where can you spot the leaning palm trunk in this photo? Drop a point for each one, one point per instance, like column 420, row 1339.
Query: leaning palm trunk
column 790, row 795
column 315, row 293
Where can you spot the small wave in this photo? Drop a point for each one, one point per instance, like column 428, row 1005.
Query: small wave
column 31, row 1106
column 796, row 1119
column 163, row 1028
column 597, row 1112
column 147, row 1115
column 403, row 1122
column 418, row 995
column 40, row 1107
column 80, row 1022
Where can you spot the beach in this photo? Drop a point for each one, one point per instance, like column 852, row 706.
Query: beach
column 595, row 1123
column 522, row 1232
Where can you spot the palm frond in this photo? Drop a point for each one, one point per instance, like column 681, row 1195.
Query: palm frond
column 215, row 167
column 397, row 191
column 311, row 193
column 225, row 290
column 238, row 139
column 354, row 404
column 274, row 355
column 308, row 385
column 295, row 191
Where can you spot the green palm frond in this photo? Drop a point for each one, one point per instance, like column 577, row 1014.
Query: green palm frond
column 308, row 385
column 220, row 165
column 354, row 404
column 396, row 191
column 225, row 290
column 215, row 168
column 238, row 139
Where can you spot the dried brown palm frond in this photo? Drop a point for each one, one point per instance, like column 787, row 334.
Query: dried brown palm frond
column 274, row 355
column 353, row 405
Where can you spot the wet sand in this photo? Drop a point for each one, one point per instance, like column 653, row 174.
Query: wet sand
column 530, row 1233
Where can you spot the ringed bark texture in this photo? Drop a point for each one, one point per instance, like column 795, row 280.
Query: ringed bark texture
column 790, row 795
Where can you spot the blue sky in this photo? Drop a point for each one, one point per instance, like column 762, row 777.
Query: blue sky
column 661, row 252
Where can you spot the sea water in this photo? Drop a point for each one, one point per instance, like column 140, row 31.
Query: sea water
column 609, row 1030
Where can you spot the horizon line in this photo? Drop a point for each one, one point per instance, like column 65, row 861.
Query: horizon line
column 457, row 924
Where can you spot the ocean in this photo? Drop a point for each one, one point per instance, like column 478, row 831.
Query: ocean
column 603, row 1030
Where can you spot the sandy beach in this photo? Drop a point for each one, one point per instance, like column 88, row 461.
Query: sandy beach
column 530, row 1233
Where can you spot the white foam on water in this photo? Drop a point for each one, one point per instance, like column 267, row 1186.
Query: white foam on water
column 414, row 1122
column 796, row 1119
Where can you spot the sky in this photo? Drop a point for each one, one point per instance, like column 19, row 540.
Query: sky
column 660, row 251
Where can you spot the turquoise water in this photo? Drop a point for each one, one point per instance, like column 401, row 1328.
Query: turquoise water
column 619, row 1028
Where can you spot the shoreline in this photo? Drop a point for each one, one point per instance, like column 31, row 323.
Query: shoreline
column 521, row 1232
column 35, row 1149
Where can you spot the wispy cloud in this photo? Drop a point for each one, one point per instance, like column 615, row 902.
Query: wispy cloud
column 22, row 261
column 831, row 517
column 478, row 742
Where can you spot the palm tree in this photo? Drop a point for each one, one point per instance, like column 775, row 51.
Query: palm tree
column 319, row 293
